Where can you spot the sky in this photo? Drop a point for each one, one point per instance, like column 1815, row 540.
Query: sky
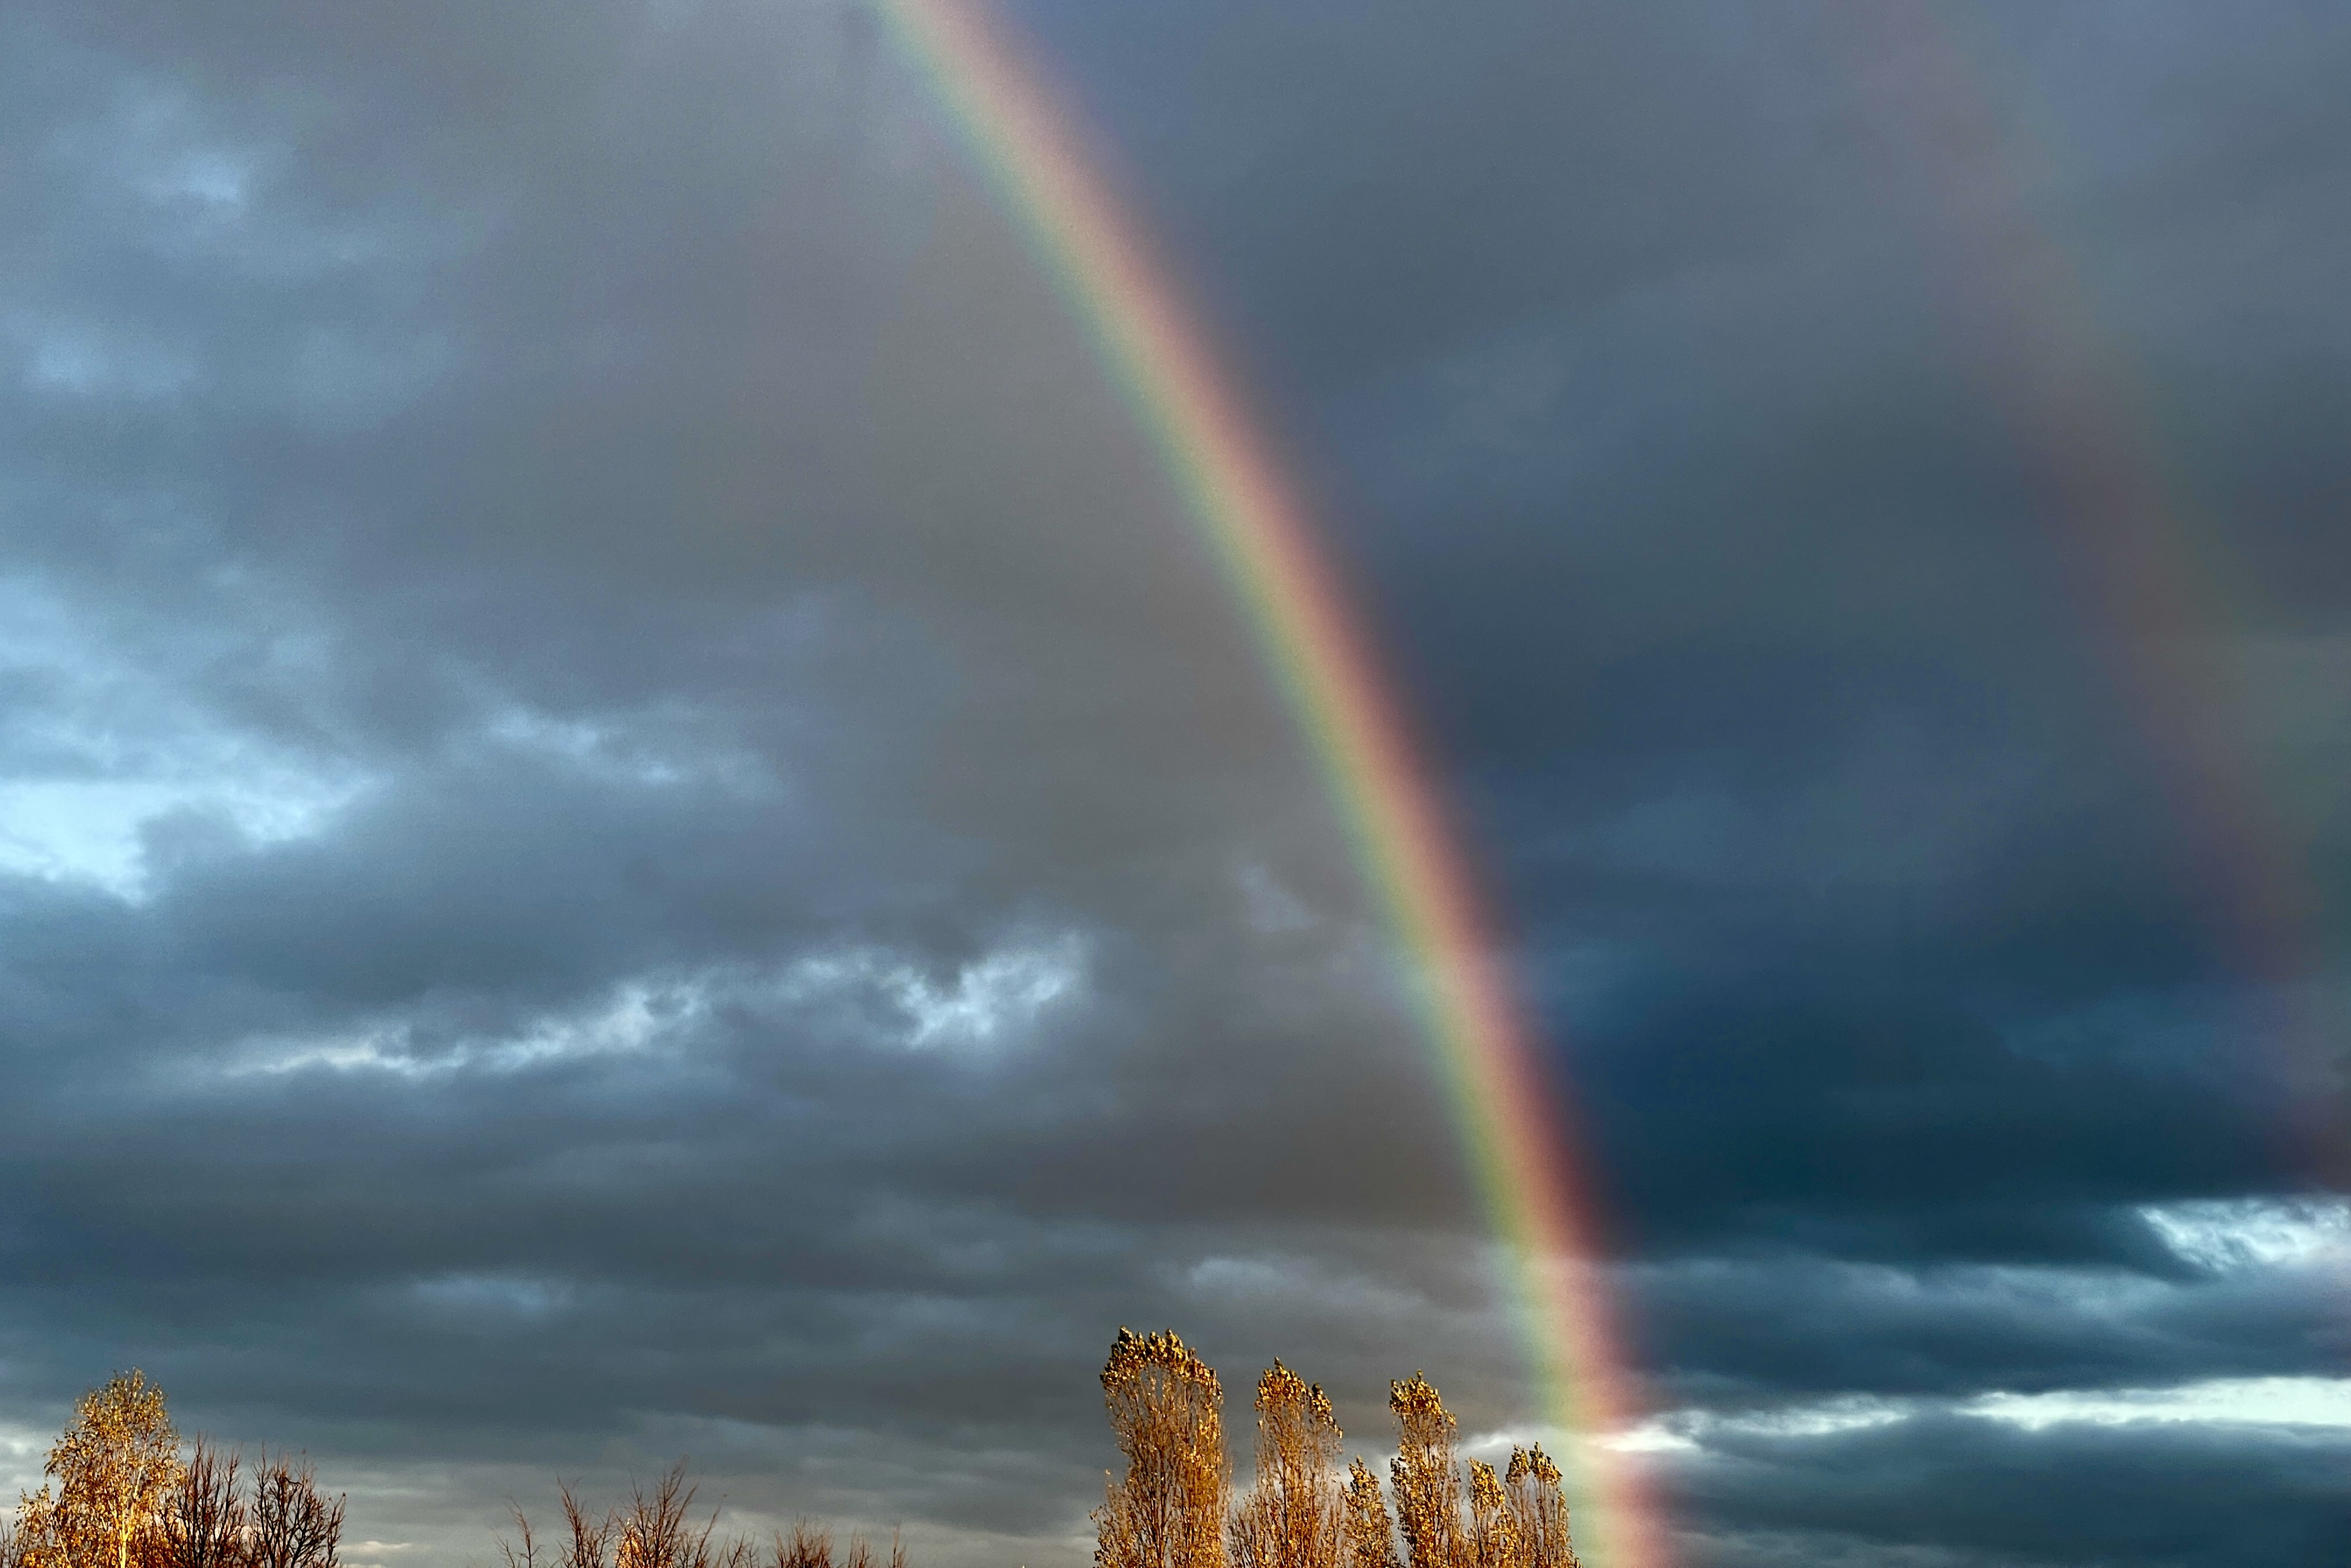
column 634, row 824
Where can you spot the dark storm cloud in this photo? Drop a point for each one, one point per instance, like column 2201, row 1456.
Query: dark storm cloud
column 1744, row 590
column 634, row 824
column 693, row 851
column 1961, row 1490
column 1723, row 528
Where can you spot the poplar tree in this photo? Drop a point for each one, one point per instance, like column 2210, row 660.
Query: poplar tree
column 1294, row 1516
column 1492, row 1536
column 1428, row 1489
column 1371, row 1533
column 1539, row 1510
column 1166, row 1412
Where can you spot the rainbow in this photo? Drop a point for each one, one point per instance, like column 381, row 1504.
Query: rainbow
column 2157, row 577
column 1028, row 144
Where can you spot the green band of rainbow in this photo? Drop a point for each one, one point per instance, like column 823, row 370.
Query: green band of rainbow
column 1238, row 496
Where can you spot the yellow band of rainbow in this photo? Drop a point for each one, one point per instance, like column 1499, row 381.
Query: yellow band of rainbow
column 1409, row 854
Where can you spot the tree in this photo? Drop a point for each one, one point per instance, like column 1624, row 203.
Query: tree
column 657, row 1529
column 204, row 1523
column 115, row 1465
column 1515, row 1520
column 1492, row 1536
column 1428, row 1489
column 292, row 1525
column 1166, row 1412
column 1294, row 1516
column 1371, row 1533
column 656, row 1532
column 1539, row 1510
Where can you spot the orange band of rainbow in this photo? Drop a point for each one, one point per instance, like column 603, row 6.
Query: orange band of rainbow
column 1322, row 661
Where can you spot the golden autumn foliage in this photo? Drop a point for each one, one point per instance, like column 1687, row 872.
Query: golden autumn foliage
column 1492, row 1538
column 1540, row 1509
column 1164, row 1406
column 1370, row 1531
column 1427, row 1487
column 119, row 1496
column 1166, row 1412
column 112, row 1467
column 1294, row 1516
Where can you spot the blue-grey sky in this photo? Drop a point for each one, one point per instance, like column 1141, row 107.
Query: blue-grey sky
column 632, row 824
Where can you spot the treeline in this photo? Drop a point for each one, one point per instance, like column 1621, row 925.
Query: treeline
column 1173, row 1507
column 120, row 1495
column 656, row 1528
column 123, row 1492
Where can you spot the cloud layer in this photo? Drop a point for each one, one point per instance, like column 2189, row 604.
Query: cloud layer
column 631, row 823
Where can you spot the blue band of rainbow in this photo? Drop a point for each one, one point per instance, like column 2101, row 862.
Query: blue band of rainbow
column 1502, row 1110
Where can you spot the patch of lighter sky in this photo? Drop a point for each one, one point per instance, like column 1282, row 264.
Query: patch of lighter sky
column 2232, row 1401
column 154, row 143
column 55, row 356
column 405, row 1511
column 150, row 155
column 2285, row 1237
column 151, row 171
column 108, row 747
column 491, row 1298
column 652, row 750
column 631, row 1019
column 23, row 1451
column 989, row 1006
column 1688, row 1431
column 375, row 1554
column 94, row 831
column 219, row 179
column 2275, row 1402
column 1647, row 1438
column 990, row 1001
column 1244, row 1279
column 2230, row 1235
column 984, row 1008
column 100, row 746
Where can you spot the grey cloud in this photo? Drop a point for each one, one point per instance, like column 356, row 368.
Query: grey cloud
column 636, row 823
column 1962, row 1490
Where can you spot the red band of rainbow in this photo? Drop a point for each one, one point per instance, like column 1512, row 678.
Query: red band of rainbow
column 1245, row 508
